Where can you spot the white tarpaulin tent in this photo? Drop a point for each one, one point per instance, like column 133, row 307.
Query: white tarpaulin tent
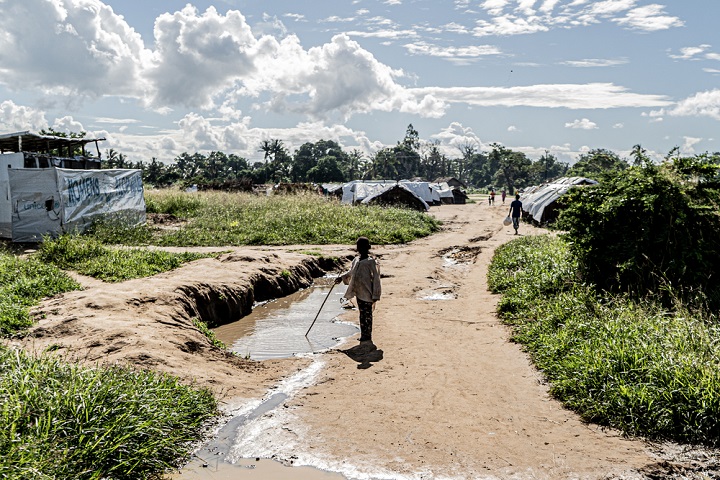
column 51, row 201
column 540, row 198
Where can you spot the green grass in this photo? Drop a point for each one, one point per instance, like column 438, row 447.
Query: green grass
column 88, row 256
column 62, row 421
column 23, row 283
column 209, row 334
column 634, row 366
column 228, row 219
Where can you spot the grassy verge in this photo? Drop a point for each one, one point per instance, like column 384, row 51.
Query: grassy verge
column 23, row 282
column 63, row 421
column 86, row 255
column 222, row 219
column 633, row 366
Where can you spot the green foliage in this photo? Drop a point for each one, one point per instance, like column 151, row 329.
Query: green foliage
column 631, row 365
column 205, row 330
column 23, row 283
column 88, row 256
column 243, row 219
column 596, row 163
column 62, row 421
column 650, row 230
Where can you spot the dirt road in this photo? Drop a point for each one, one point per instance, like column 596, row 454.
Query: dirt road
column 446, row 395
column 451, row 396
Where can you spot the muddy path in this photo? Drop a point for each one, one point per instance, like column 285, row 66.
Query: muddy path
column 445, row 395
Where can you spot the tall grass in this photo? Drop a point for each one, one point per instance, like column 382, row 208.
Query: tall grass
column 634, row 366
column 219, row 219
column 88, row 256
column 61, row 421
column 23, row 282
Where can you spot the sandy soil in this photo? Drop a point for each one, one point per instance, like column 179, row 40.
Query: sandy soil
column 445, row 395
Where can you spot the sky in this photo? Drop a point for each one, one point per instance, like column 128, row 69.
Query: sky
column 157, row 78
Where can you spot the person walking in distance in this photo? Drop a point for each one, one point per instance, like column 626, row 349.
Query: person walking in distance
column 363, row 281
column 515, row 212
column 503, row 194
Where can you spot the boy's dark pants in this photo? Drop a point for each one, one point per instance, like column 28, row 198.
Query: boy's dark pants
column 366, row 318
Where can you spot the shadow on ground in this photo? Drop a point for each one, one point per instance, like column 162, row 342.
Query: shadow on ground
column 364, row 354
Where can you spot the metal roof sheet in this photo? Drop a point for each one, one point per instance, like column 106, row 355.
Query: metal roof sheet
column 33, row 142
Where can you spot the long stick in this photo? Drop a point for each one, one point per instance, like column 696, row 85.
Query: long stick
column 321, row 307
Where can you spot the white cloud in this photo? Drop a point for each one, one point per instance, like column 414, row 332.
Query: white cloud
column 690, row 53
column 512, row 128
column 702, row 104
column 456, row 136
column 583, row 124
column 509, row 25
column 456, row 54
column 67, row 124
column 611, row 7
column 572, row 96
column 20, row 118
column 649, row 18
column 689, row 143
column 72, row 47
column 595, row 62
column 619, row 125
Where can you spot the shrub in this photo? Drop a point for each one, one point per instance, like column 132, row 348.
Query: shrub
column 650, row 230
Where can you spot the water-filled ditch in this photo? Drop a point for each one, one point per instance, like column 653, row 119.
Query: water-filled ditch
column 274, row 329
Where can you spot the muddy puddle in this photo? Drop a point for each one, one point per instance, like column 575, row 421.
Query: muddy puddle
column 277, row 329
column 243, row 447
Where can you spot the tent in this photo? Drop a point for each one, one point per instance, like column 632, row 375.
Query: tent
column 51, row 201
column 540, row 203
column 397, row 195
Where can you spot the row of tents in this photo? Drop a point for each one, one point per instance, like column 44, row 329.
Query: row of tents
column 418, row 195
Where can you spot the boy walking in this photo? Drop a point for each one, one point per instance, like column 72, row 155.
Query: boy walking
column 363, row 281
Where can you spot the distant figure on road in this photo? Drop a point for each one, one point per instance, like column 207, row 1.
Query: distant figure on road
column 516, row 212
column 363, row 281
column 503, row 195
column 492, row 197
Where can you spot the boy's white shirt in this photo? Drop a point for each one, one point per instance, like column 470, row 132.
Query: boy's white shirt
column 365, row 283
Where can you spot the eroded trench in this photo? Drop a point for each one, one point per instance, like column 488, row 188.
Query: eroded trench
column 269, row 316
column 267, row 320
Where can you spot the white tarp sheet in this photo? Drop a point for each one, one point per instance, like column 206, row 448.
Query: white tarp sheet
column 86, row 194
column 539, row 198
column 56, row 200
column 35, row 204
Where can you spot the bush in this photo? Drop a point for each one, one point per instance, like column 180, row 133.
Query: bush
column 650, row 230
column 632, row 365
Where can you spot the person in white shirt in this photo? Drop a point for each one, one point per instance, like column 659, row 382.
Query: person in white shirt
column 363, row 281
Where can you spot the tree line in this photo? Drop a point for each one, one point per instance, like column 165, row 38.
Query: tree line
column 325, row 161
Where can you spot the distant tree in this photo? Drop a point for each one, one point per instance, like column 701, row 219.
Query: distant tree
column 546, row 168
column 512, row 168
column 327, row 170
column 278, row 159
column 597, row 162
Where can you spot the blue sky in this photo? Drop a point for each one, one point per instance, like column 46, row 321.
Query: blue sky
column 162, row 77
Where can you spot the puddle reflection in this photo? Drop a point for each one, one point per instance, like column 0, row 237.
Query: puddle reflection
column 277, row 329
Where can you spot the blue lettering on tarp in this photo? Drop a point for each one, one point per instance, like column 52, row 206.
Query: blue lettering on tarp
column 129, row 184
column 82, row 189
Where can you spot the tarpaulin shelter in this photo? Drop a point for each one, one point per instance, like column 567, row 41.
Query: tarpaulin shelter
column 540, row 203
column 398, row 195
column 38, row 197
column 385, row 192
